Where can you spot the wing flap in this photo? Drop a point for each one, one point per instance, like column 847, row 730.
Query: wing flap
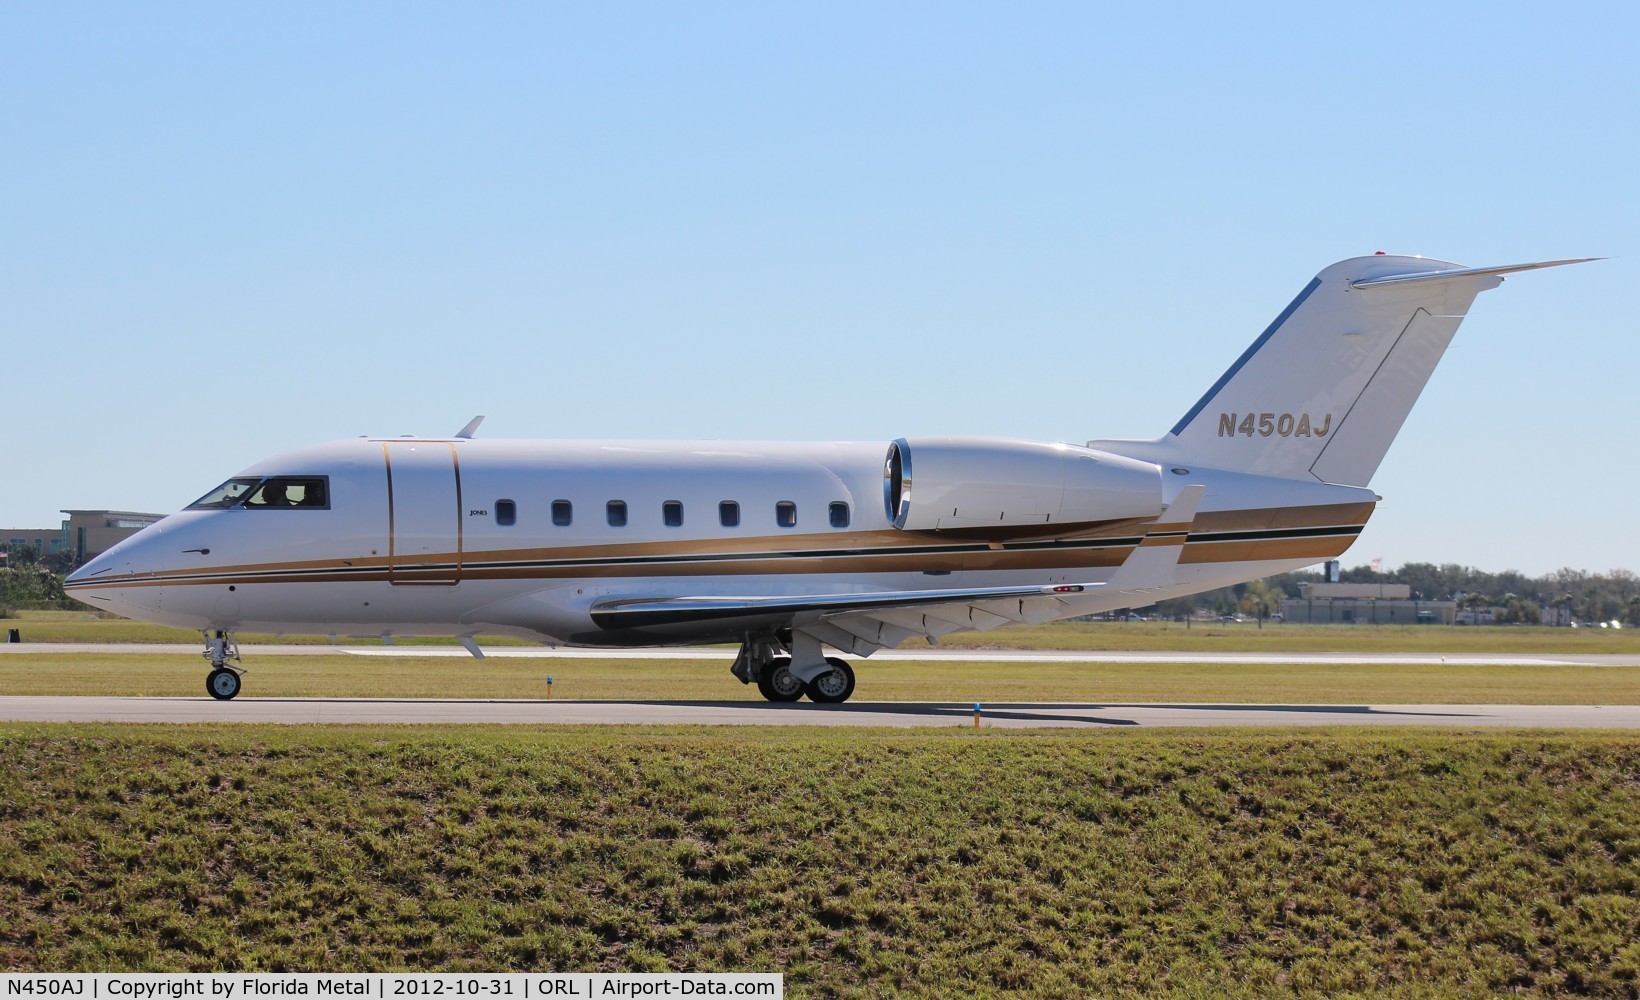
column 917, row 622
column 891, row 627
column 839, row 638
column 870, row 628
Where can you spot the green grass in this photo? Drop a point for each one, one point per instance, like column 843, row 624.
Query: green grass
column 71, row 626
column 350, row 676
column 932, row 863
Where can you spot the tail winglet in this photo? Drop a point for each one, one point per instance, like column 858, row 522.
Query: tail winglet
column 1153, row 561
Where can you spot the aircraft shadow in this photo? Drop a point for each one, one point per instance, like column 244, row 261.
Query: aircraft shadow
column 956, row 712
column 1038, row 711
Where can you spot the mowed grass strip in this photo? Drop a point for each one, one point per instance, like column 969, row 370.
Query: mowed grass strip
column 856, row 862
column 1250, row 637
column 1222, row 637
column 353, row 676
column 84, row 626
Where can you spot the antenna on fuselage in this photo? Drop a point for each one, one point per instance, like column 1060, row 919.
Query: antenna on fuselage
column 471, row 428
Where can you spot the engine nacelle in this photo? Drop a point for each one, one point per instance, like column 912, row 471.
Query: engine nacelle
column 973, row 484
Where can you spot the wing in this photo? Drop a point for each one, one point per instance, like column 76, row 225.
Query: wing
column 659, row 612
column 864, row 631
column 860, row 623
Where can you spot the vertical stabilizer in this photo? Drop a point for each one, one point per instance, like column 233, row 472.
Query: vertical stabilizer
column 1325, row 388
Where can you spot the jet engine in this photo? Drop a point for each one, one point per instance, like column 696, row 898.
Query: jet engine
column 970, row 484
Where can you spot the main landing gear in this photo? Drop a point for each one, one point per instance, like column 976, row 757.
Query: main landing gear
column 222, row 683
column 825, row 680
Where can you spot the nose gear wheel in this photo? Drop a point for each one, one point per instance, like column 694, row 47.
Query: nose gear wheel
column 222, row 683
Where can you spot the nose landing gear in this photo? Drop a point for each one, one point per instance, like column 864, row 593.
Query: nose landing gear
column 222, row 683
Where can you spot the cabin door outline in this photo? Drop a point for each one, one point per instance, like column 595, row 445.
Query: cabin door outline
column 424, row 543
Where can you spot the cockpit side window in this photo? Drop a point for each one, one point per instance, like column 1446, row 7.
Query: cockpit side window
column 290, row 491
column 226, row 495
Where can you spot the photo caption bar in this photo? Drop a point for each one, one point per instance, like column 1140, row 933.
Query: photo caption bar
column 388, row 985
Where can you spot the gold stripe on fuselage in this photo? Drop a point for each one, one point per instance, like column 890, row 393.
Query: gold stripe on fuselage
column 880, row 551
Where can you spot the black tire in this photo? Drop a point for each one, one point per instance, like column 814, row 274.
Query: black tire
column 222, row 684
column 834, row 686
column 776, row 683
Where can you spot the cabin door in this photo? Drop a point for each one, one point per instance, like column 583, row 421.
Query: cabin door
column 423, row 513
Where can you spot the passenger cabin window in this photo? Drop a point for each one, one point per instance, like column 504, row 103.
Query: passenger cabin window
column 506, row 513
column 785, row 514
column 617, row 513
column 672, row 513
column 562, row 513
column 729, row 514
column 274, row 492
column 839, row 514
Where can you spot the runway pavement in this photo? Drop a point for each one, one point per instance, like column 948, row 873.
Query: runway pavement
column 919, row 655
column 726, row 713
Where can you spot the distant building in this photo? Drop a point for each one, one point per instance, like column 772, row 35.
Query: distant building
column 1356, row 591
column 86, row 533
column 1364, row 604
column 45, row 541
column 1480, row 616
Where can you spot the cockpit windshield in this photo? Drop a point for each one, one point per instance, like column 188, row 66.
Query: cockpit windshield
column 226, row 495
column 289, row 491
column 264, row 494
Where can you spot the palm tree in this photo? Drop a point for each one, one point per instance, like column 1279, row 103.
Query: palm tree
column 1563, row 608
column 1475, row 602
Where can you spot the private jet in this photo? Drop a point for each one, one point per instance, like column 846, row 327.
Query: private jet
column 795, row 550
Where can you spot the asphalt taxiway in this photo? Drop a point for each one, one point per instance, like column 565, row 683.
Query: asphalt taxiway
column 758, row 713
column 726, row 654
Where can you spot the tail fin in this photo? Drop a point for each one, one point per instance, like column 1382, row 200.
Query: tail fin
column 1326, row 387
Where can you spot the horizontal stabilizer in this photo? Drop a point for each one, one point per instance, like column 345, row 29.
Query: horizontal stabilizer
column 1465, row 272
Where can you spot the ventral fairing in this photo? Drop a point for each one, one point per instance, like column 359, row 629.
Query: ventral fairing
column 791, row 549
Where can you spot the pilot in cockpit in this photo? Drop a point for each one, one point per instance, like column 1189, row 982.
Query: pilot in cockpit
column 273, row 495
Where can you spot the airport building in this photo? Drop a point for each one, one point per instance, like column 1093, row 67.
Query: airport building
column 86, row 533
column 1364, row 604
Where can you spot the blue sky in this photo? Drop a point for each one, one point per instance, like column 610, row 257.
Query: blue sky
column 231, row 230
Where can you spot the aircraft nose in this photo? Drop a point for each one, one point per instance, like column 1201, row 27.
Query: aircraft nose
column 110, row 581
column 102, row 565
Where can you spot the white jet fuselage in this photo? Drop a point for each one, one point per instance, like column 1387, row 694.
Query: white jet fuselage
column 414, row 539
